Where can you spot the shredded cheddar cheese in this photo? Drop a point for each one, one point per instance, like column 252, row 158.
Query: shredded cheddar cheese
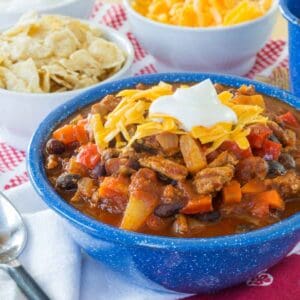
column 202, row 13
column 130, row 121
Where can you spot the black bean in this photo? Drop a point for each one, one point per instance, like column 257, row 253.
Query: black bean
column 67, row 182
column 168, row 210
column 133, row 164
column 54, row 146
column 98, row 171
column 72, row 146
column 275, row 169
column 165, row 179
column 209, row 216
column 274, row 138
column 287, row 160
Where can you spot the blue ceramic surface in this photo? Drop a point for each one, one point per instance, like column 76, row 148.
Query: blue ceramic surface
column 291, row 11
column 183, row 265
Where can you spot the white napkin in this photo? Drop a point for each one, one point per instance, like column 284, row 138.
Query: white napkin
column 56, row 262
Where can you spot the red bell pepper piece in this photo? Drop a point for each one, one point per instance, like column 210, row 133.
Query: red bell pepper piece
column 236, row 150
column 258, row 135
column 289, row 119
column 270, row 150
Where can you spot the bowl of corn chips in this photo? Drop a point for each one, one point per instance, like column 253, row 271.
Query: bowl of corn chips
column 46, row 60
column 205, row 36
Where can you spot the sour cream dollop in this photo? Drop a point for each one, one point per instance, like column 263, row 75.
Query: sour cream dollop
column 198, row 105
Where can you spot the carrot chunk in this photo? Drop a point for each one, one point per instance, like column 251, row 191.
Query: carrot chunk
column 232, row 192
column 253, row 186
column 197, row 205
column 65, row 134
column 272, row 198
column 114, row 188
column 71, row 133
column 81, row 134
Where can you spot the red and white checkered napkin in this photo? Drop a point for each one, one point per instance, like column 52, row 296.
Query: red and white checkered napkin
column 283, row 280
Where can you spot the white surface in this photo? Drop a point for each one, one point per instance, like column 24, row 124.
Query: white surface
column 55, row 261
column 230, row 50
column 17, row 107
column 15, row 8
column 21, row 5
column 198, row 105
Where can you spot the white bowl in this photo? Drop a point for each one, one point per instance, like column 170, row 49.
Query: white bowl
column 229, row 49
column 72, row 8
column 21, row 113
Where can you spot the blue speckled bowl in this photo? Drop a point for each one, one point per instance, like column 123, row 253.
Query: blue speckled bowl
column 291, row 11
column 185, row 265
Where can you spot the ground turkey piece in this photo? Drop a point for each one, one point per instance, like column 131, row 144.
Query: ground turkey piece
column 251, row 168
column 125, row 166
column 286, row 136
column 211, row 180
column 106, row 105
column 148, row 144
column 223, row 159
column 287, row 185
column 144, row 185
column 164, row 166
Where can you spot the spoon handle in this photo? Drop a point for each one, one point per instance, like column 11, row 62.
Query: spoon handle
column 25, row 282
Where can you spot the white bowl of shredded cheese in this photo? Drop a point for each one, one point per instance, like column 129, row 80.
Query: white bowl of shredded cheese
column 11, row 10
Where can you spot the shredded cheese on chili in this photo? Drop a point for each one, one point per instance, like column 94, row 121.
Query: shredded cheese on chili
column 130, row 121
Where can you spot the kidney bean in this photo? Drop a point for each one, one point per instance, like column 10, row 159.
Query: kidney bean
column 98, row 171
column 275, row 169
column 208, row 217
column 67, row 182
column 168, row 210
column 54, row 146
column 274, row 138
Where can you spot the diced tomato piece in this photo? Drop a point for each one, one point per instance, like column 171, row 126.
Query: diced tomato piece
column 258, row 135
column 289, row 119
column 89, row 156
column 270, row 150
column 236, row 150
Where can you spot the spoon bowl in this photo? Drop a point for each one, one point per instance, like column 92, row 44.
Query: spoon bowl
column 13, row 238
column 13, row 233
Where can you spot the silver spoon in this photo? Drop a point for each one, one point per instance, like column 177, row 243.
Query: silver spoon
column 13, row 237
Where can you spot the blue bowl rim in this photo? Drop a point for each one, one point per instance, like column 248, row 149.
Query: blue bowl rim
column 287, row 13
column 115, row 235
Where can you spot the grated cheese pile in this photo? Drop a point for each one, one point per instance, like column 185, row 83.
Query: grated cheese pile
column 130, row 121
column 202, row 13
